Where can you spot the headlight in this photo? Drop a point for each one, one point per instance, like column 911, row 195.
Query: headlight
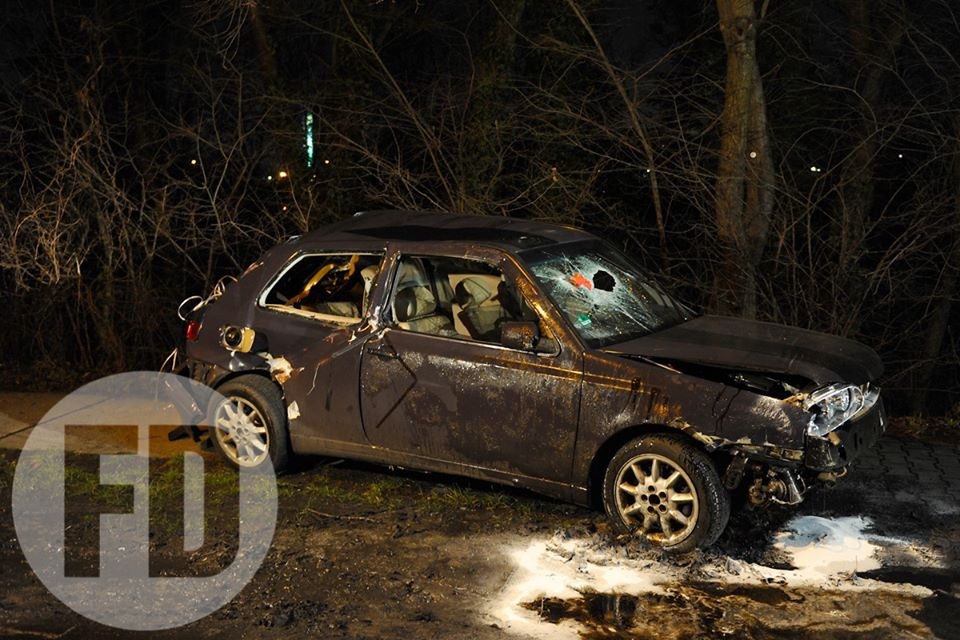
column 835, row 404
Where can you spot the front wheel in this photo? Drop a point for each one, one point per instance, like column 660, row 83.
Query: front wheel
column 666, row 490
column 250, row 424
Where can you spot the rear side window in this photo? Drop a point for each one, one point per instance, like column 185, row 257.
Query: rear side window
column 332, row 287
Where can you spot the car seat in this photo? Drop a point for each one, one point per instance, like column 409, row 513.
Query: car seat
column 415, row 305
column 477, row 311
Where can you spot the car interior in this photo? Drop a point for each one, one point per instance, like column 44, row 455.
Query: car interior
column 330, row 287
column 454, row 297
column 442, row 296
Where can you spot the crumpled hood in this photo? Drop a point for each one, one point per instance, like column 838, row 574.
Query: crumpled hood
column 759, row 346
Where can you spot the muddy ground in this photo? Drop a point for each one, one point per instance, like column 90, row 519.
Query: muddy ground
column 366, row 552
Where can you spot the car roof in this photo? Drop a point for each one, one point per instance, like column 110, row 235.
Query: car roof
column 375, row 227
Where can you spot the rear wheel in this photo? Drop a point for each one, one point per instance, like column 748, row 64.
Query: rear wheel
column 250, row 424
column 667, row 491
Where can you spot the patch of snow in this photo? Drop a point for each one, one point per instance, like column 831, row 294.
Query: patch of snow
column 827, row 553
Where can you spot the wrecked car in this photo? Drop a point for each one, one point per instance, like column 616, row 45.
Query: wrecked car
column 531, row 355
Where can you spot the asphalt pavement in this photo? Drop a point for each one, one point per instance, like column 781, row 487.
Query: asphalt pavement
column 20, row 411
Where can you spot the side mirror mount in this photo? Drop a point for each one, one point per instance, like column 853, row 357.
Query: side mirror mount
column 523, row 336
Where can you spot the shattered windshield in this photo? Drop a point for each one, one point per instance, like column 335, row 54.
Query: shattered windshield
column 605, row 298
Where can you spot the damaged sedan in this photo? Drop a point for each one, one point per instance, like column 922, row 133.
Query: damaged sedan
column 530, row 355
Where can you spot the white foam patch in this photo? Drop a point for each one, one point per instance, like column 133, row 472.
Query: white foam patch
column 564, row 568
column 824, row 547
column 826, row 553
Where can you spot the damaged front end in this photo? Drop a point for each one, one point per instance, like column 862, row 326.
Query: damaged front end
column 844, row 420
column 791, row 407
column 768, row 483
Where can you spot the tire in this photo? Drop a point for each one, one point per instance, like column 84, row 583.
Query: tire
column 667, row 491
column 248, row 443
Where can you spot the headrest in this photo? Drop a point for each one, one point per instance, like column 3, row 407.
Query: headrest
column 471, row 291
column 370, row 272
column 414, row 302
column 410, row 274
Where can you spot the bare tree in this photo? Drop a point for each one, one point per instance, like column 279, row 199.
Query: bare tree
column 116, row 202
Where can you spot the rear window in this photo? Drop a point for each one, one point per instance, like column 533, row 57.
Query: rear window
column 333, row 287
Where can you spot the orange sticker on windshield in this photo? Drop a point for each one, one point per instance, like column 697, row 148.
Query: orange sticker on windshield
column 579, row 280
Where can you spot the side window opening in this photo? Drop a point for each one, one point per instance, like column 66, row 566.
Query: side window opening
column 331, row 287
column 477, row 309
column 458, row 298
column 415, row 305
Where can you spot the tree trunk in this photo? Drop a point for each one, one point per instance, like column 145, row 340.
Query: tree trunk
column 265, row 53
column 745, row 177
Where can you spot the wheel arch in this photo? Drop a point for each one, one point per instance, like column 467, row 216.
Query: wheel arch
column 606, row 451
column 257, row 388
column 233, row 375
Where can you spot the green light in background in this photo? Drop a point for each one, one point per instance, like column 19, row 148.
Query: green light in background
column 308, row 126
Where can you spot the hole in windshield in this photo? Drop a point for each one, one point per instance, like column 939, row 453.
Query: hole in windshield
column 606, row 299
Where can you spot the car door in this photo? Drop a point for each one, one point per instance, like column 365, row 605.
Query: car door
column 314, row 316
column 436, row 383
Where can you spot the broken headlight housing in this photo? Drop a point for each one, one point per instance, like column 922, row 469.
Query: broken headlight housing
column 837, row 403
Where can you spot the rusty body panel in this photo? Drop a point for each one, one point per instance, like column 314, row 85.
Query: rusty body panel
column 476, row 404
column 373, row 386
column 619, row 394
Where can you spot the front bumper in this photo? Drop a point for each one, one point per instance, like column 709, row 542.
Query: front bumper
column 841, row 447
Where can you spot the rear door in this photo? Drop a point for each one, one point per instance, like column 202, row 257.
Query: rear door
column 314, row 316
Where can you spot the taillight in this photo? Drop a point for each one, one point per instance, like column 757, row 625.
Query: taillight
column 193, row 330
